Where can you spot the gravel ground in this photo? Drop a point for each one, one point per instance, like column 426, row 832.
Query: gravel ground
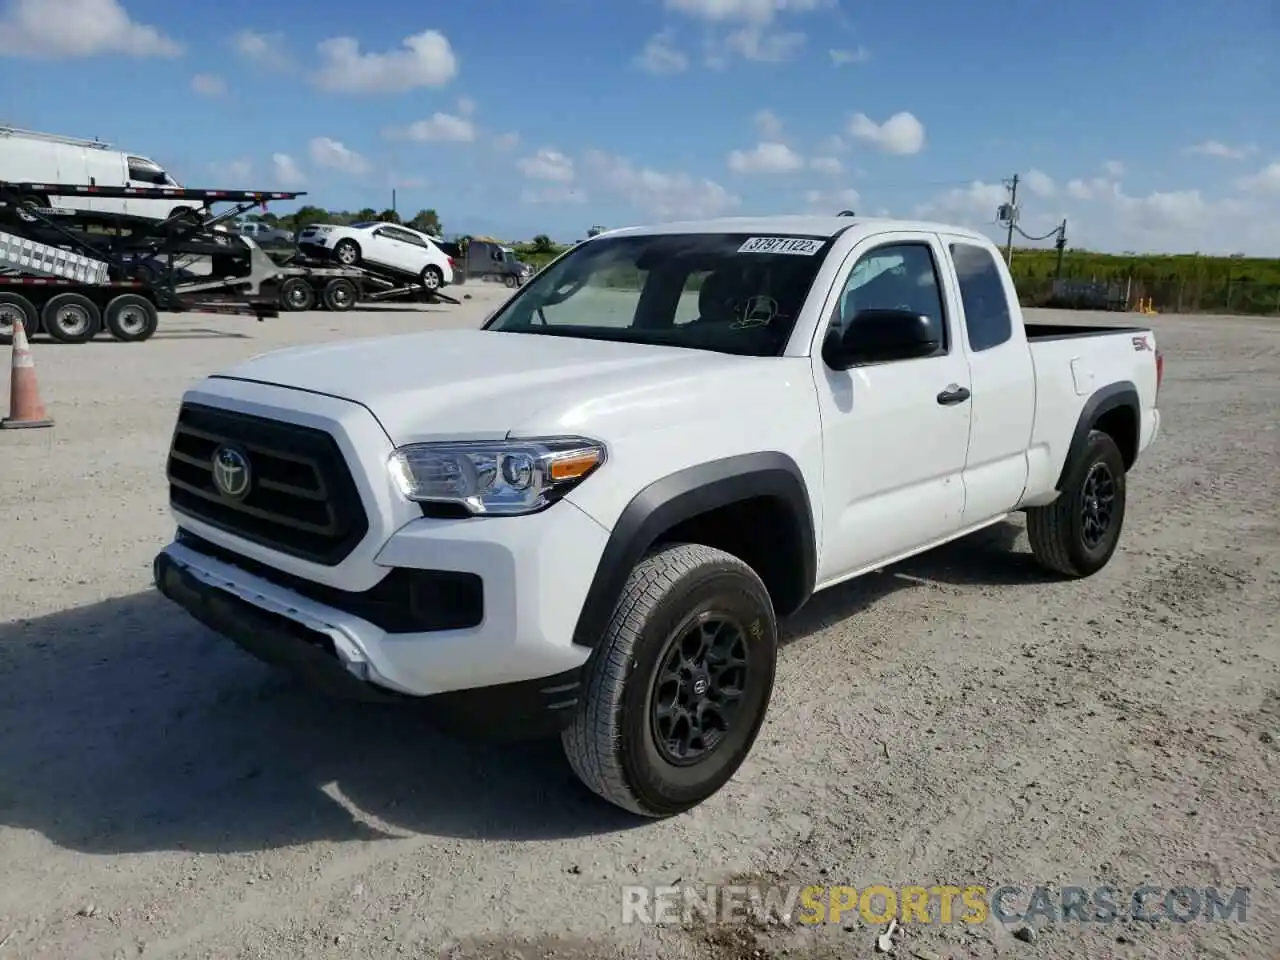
column 959, row 719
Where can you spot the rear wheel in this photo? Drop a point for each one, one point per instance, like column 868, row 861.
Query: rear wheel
column 131, row 318
column 71, row 318
column 432, row 278
column 676, row 693
column 297, row 293
column 1077, row 533
column 14, row 309
column 347, row 252
column 340, row 295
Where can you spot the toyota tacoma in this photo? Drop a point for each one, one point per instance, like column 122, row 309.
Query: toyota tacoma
column 586, row 518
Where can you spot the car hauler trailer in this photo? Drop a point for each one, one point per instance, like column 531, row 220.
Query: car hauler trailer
column 378, row 284
column 71, row 271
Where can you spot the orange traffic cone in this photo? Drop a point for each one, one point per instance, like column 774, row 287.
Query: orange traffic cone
column 25, row 407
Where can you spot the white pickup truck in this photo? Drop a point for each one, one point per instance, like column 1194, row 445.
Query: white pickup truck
column 587, row 516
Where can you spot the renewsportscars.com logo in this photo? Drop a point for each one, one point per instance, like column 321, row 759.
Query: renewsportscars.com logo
column 972, row 904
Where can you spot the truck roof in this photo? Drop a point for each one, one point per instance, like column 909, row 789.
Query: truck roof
column 789, row 225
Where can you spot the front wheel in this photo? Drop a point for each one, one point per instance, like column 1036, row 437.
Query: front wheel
column 677, row 691
column 1076, row 534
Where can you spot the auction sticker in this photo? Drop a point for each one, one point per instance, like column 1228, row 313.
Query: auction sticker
column 802, row 246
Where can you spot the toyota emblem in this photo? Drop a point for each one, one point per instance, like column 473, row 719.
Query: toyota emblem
column 231, row 473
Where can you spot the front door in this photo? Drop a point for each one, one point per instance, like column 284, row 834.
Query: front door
column 894, row 442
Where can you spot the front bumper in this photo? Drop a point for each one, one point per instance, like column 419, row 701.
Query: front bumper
column 517, row 668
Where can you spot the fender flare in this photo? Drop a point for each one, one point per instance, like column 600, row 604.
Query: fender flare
column 1114, row 396
column 682, row 495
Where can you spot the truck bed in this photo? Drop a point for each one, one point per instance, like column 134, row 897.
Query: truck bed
column 1063, row 331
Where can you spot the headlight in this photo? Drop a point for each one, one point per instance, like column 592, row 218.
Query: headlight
column 504, row 477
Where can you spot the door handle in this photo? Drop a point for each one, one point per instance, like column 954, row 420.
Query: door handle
column 953, row 394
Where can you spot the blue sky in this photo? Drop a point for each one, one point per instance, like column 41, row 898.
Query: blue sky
column 1149, row 126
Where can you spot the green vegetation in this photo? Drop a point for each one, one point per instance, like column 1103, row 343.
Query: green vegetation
column 1182, row 283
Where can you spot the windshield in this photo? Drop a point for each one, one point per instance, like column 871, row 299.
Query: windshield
column 731, row 293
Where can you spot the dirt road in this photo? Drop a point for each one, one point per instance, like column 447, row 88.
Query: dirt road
column 957, row 720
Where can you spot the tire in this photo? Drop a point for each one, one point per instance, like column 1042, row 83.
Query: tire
column 347, row 253
column 71, row 318
column 31, row 200
column 432, row 278
column 510, row 281
column 130, row 318
column 340, row 295
column 296, row 293
column 613, row 743
column 186, row 215
column 1065, row 535
column 15, row 308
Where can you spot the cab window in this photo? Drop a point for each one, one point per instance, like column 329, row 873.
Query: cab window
column 901, row 276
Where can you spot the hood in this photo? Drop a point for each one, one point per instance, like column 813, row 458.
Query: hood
column 482, row 385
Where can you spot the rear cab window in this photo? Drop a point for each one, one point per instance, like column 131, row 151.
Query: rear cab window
column 727, row 292
column 988, row 320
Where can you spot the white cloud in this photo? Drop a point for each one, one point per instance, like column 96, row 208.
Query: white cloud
column 758, row 44
column 664, row 195
column 766, row 157
column 1216, row 148
column 424, row 59
column 1265, row 181
column 553, row 195
column 504, row 142
column 829, row 165
column 973, row 205
column 466, row 106
column 858, row 54
column 397, row 181
column 75, row 29
column 833, row 144
column 208, row 85
column 1114, row 168
column 1092, row 189
column 286, row 171
column 661, row 57
column 902, row 134
column 261, row 48
column 769, row 124
column 831, row 201
column 547, row 164
column 233, row 174
column 444, row 127
column 756, row 11
column 1040, row 183
column 336, row 155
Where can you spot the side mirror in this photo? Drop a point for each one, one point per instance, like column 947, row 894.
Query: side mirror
column 877, row 336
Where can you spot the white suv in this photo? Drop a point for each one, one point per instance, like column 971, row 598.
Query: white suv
column 381, row 247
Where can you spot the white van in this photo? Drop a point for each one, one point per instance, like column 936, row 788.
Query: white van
column 27, row 156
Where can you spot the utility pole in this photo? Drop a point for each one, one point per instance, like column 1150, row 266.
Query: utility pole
column 1061, row 244
column 393, row 199
column 1013, row 218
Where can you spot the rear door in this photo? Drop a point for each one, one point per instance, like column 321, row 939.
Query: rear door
column 1004, row 384
column 894, row 442
column 410, row 251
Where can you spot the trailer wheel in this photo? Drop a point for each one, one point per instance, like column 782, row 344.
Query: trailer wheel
column 296, row 293
column 432, row 278
column 15, row 308
column 340, row 295
column 347, row 252
column 131, row 318
column 71, row 318
column 31, row 200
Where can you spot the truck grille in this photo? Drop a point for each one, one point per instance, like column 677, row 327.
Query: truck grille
column 299, row 497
